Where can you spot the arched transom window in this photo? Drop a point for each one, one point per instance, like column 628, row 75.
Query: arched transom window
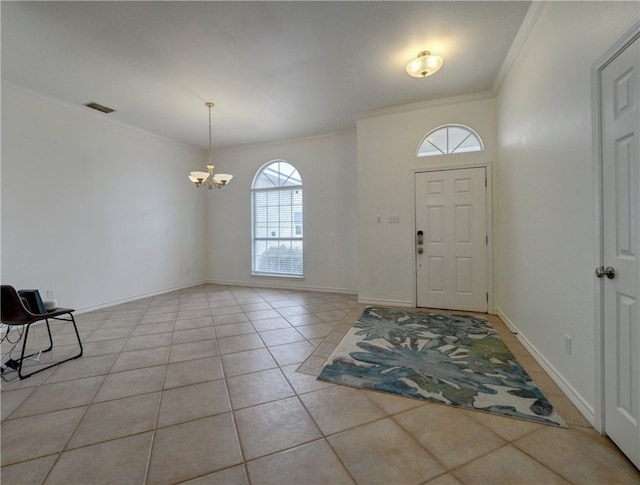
column 450, row 139
column 277, row 220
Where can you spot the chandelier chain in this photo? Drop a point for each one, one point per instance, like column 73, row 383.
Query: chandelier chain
column 210, row 155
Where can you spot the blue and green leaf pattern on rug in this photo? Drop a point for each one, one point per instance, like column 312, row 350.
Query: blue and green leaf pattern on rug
column 452, row 359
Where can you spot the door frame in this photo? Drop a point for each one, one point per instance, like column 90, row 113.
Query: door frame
column 488, row 222
column 596, row 103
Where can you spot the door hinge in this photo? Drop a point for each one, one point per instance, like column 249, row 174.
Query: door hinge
column 486, row 239
column 487, row 297
column 485, row 181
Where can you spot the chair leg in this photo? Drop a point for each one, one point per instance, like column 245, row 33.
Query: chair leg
column 22, row 356
column 50, row 338
column 24, row 346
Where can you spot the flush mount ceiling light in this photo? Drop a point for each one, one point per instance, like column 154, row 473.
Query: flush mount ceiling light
column 424, row 65
column 209, row 179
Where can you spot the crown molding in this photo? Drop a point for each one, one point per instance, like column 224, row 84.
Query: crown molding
column 92, row 113
column 406, row 108
column 529, row 22
column 345, row 132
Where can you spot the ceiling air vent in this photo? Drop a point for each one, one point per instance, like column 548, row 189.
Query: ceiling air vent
column 99, row 107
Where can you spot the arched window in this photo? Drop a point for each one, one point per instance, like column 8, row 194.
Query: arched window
column 277, row 220
column 448, row 139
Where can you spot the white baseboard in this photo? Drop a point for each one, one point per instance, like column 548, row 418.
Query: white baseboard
column 398, row 303
column 506, row 321
column 579, row 402
column 141, row 296
column 100, row 306
column 278, row 285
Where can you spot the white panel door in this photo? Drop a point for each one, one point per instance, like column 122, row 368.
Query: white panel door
column 621, row 214
column 451, row 254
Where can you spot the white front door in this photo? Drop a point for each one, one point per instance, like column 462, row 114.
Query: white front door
column 451, row 239
column 621, row 249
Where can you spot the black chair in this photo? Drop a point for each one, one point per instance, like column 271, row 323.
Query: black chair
column 15, row 314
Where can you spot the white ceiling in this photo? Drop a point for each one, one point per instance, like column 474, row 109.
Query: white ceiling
column 275, row 70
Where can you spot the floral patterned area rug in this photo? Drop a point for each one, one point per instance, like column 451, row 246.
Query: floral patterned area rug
column 452, row 359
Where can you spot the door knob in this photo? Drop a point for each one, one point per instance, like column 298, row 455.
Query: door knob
column 609, row 272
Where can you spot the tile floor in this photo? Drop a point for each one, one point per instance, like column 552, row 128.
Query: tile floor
column 202, row 386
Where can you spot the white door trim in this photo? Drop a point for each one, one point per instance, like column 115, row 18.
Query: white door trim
column 596, row 103
column 488, row 219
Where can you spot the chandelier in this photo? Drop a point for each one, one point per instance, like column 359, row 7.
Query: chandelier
column 209, row 179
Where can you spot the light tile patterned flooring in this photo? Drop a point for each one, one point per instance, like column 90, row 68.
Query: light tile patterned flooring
column 201, row 386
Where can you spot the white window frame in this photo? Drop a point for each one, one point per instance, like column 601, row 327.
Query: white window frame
column 449, row 149
column 297, row 219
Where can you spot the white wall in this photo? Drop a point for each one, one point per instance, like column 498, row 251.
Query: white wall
column 546, row 199
column 94, row 210
column 327, row 165
column 387, row 145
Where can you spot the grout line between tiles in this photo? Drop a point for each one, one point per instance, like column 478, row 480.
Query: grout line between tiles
column 231, row 410
column 248, row 298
